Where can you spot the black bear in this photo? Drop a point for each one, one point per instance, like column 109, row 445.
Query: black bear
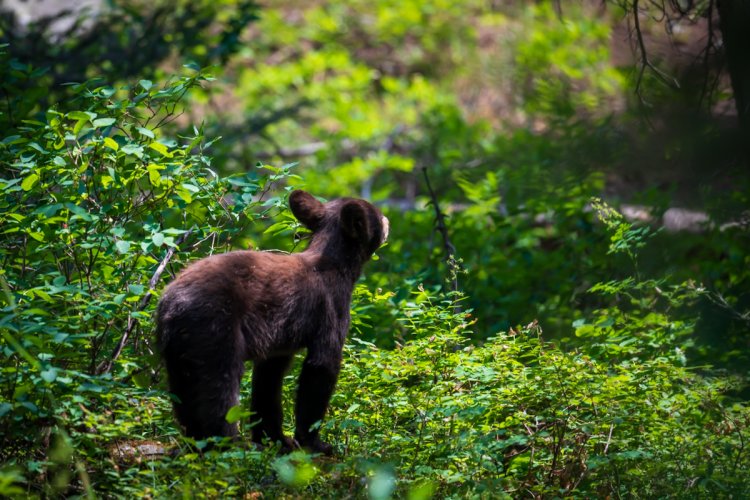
column 245, row 305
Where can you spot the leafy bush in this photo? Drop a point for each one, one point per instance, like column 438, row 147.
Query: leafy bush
column 440, row 416
column 121, row 40
column 564, row 67
column 96, row 205
column 516, row 414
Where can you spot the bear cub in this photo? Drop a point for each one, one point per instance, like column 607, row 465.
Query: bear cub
column 263, row 307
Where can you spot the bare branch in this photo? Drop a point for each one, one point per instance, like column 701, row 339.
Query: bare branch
column 609, row 438
column 106, row 366
column 645, row 61
column 440, row 225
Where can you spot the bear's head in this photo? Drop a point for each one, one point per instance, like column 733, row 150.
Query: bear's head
column 347, row 226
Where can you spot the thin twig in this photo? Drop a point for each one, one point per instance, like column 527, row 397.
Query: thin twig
column 106, row 366
column 719, row 300
column 440, row 225
column 609, row 438
column 645, row 62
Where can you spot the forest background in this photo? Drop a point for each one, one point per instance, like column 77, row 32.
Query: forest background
column 563, row 306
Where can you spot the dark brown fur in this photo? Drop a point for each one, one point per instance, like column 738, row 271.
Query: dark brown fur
column 264, row 307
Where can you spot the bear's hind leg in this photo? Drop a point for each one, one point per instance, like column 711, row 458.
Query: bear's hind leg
column 207, row 388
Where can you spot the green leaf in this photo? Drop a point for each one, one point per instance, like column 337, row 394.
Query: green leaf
column 141, row 380
column 39, row 148
column 424, row 490
column 13, row 139
column 184, row 194
column 277, row 228
column 103, row 122
column 161, row 148
column 49, row 375
column 234, row 414
column 29, row 182
column 30, row 406
column 154, row 176
column 158, row 239
column 79, row 126
column 122, row 246
column 81, row 115
column 354, row 407
column 145, row 132
column 133, row 149
column 111, row 143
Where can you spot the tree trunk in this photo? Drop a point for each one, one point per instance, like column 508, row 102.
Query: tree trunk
column 734, row 22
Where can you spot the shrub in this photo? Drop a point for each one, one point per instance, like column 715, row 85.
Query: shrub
column 96, row 205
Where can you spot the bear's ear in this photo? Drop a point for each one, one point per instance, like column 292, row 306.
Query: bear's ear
column 306, row 209
column 354, row 221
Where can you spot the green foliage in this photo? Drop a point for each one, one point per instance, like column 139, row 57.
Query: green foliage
column 516, row 414
column 23, row 86
column 123, row 39
column 564, row 65
column 441, row 416
column 321, row 77
column 110, row 191
column 96, row 204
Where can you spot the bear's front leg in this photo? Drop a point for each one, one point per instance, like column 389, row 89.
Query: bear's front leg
column 268, row 376
column 316, row 384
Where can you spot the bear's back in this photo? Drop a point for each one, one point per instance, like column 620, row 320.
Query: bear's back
column 274, row 301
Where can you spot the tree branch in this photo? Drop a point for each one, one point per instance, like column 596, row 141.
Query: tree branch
column 440, row 225
column 106, row 366
column 645, row 61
